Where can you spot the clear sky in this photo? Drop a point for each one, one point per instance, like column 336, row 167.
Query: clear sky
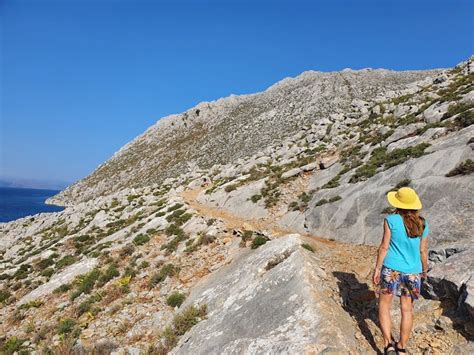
column 82, row 78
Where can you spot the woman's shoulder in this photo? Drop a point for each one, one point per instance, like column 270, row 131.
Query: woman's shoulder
column 393, row 219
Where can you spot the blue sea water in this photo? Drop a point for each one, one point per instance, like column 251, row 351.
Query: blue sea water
column 17, row 203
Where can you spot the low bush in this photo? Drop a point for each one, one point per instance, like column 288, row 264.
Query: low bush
column 65, row 261
column 308, row 247
column 141, row 239
column 66, row 326
column 85, row 283
column 465, row 168
column 181, row 323
column 334, row 182
column 175, row 299
column 255, row 198
column 167, row 270
column 258, row 241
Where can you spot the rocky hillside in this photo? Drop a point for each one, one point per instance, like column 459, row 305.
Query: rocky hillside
column 222, row 131
column 251, row 226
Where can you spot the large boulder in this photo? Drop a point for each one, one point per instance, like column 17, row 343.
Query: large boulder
column 271, row 300
column 435, row 112
column 453, row 280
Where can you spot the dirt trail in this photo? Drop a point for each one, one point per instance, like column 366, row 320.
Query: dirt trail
column 349, row 268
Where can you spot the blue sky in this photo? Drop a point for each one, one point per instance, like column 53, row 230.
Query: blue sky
column 82, row 78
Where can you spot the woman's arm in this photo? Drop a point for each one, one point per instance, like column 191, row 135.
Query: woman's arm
column 383, row 248
column 424, row 256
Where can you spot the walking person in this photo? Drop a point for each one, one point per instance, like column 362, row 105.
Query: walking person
column 402, row 261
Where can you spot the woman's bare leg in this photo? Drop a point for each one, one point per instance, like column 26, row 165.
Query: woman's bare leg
column 385, row 304
column 406, row 306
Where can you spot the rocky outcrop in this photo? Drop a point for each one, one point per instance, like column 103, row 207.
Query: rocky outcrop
column 453, row 280
column 357, row 216
column 272, row 300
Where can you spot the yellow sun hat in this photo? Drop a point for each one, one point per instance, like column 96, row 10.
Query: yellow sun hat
column 405, row 198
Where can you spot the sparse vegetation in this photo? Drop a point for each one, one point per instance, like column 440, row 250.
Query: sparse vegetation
column 334, row 182
column 308, row 247
column 465, row 168
column 66, row 326
column 175, row 299
column 141, row 239
column 85, row 283
column 167, row 270
column 325, row 201
column 381, row 160
column 258, row 241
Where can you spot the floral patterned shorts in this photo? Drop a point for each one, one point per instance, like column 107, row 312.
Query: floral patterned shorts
column 399, row 283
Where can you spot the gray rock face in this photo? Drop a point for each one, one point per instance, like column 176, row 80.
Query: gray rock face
column 64, row 277
column 453, row 279
column 235, row 127
column 357, row 217
column 403, row 131
column 268, row 301
column 435, row 112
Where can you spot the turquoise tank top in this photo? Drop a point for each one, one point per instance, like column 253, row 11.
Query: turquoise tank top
column 403, row 252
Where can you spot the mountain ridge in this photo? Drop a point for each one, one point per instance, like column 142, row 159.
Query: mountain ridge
column 233, row 109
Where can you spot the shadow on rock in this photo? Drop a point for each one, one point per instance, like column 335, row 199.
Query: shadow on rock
column 360, row 302
column 453, row 304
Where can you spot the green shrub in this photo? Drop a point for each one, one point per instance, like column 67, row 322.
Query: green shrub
column 320, row 202
column 308, row 247
column 381, row 159
column 65, row 261
column 173, row 229
column 258, row 241
column 211, row 221
column 47, row 272
column 110, row 273
column 86, row 283
column 255, row 198
column 12, row 345
column 44, row 263
column 230, row 187
column 175, row 207
column 88, row 305
column 63, row 288
column 4, row 295
column 22, row 272
column 167, row 270
column 175, row 299
column 465, row 168
column 403, row 183
column 141, row 239
column 66, row 326
column 188, row 318
column 325, row 201
column 181, row 323
column 334, row 182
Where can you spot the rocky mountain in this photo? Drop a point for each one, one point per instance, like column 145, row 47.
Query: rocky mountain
column 250, row 225
column 222, row 131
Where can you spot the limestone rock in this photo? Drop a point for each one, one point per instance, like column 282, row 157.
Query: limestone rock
column 276, row 307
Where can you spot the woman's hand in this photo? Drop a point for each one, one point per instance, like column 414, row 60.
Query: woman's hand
column 424, row 275
column 376, row 276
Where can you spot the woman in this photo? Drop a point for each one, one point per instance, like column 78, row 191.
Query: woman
column 402, row 261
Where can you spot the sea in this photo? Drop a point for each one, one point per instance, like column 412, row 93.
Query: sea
column 17, row 203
